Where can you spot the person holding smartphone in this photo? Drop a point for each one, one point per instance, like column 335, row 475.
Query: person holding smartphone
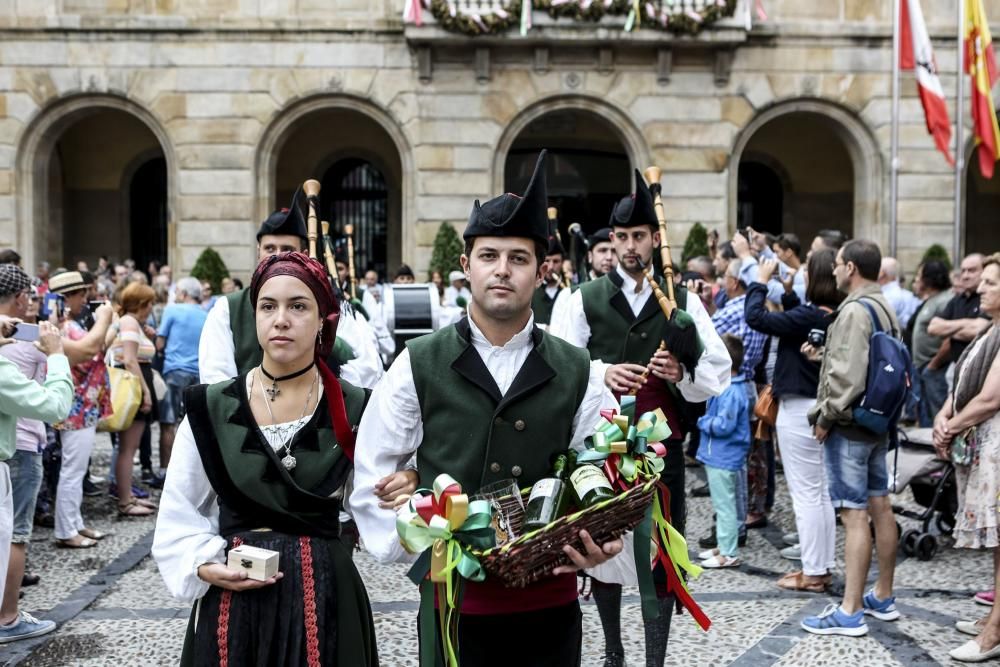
column 24, row 405
column 85, row 350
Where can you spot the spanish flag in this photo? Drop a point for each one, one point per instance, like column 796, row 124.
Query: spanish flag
column 981, row 64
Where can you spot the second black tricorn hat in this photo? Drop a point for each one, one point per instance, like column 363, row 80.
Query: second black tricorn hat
column 637, row 209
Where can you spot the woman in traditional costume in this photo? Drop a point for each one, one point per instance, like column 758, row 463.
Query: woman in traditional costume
column 262, row 460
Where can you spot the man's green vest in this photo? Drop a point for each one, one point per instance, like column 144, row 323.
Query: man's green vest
column 617, row 336
column 542, row 305
column 244, row 328
column 479, row 436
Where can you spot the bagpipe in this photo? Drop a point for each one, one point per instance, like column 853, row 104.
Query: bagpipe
column 680, row 335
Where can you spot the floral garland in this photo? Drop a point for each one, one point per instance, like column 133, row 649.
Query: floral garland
column 448, row 17
column 676, row 16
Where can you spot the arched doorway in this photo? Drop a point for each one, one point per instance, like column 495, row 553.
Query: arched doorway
column 147, row 207
column 761, row 197
column 826, row 162
column 588, row 166
column 357, row 195
column 820, row 194
column 93, row 181
column 360, row 167
column 982, row 209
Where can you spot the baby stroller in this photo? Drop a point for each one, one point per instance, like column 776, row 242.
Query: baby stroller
column 932, row 482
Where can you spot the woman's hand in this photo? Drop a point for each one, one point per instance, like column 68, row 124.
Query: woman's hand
column 219, row 575
column 147, row 402
column 811, row 353
column 396, row 489
column 788, row 282
column 942, row 434
column 766, row 269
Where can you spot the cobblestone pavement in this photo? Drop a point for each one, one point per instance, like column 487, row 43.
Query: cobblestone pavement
column 113, row 609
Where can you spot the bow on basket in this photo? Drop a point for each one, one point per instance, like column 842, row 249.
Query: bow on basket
column 443, row 525
column 632, row 451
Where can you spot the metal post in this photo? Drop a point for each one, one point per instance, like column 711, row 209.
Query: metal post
column 959, row 135
column 894, row 149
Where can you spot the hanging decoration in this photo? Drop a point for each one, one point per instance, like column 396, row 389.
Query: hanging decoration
column 676, row 16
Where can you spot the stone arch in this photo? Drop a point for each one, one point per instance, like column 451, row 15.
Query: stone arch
column 858, row 141
column 980, row 208
column 35, row 154
column 398, row 166
column 636, row 146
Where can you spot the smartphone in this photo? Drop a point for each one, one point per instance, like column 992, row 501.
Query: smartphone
column 94, row 305
column 53, row 303
column 26, row 332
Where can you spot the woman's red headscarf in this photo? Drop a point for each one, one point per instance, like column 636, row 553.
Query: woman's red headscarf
column 313, row 274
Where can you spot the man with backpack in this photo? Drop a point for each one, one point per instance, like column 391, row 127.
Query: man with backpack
column 857, row 404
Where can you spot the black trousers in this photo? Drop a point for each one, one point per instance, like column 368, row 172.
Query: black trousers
column 545, row 638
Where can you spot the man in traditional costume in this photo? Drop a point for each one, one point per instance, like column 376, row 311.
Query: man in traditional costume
column 488, row 399
column 552, row 283
column 601, row 260
column 618, row 320
column 265, row 466
column 229, row 345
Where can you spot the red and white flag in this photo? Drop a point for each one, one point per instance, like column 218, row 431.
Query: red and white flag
column 917, row 54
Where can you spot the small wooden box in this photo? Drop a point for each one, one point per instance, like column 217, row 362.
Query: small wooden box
column 259, row 564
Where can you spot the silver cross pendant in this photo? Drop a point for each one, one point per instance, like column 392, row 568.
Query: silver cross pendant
column 273, row 391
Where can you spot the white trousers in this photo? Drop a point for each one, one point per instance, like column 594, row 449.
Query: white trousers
column 805, row 473
column 76, row 449
column 6, row 522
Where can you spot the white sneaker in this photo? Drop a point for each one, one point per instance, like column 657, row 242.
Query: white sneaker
column 708, row 553
column 793, row 552
column 791, row 539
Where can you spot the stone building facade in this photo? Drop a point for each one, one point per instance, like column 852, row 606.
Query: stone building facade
column 154, row 128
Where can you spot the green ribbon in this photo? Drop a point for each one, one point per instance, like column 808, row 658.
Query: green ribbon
column 632, row 445
column 443, row 526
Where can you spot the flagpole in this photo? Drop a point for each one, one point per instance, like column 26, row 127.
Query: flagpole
column 894, row 149
column 959, row 134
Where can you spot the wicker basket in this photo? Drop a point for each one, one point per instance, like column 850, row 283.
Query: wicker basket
column 531, row 557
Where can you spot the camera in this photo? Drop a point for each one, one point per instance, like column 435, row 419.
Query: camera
column 816, row 337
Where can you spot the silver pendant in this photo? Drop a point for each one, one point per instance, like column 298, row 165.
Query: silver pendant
column 288, row 461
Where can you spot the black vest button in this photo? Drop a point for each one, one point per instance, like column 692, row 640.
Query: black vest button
column 516, row 471
column 498, row 421
column 494, row 467
column 519, row 425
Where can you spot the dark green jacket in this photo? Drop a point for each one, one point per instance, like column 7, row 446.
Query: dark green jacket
column 617, row 336
column 542, row 305
column 254, row 489
column 244, row 328
column 476, row 435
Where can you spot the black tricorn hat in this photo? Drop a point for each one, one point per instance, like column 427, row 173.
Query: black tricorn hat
column 512, row 215
column 286, row 221
column 555, row 247
column 602, row 235
column 637, row 209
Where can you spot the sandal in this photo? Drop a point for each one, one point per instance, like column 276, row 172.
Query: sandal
column 93, row 534
column 147, row 503
column 133, row 508
column 796, row 581
column 76, row 542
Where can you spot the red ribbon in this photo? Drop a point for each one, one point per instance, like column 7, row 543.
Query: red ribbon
column 674, row 584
